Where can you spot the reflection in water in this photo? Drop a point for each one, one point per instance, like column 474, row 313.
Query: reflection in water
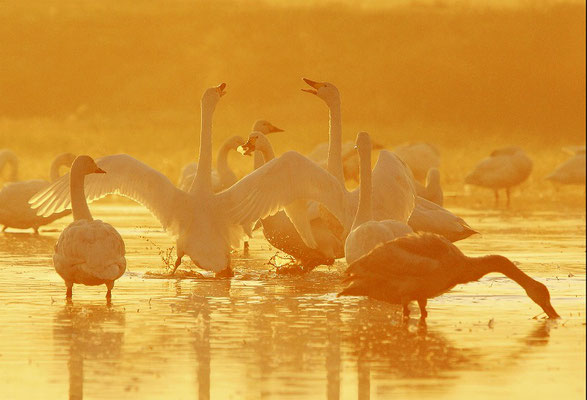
column 87, row 333
column 16, row 244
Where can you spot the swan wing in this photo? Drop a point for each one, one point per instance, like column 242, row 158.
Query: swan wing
column 278, row 184
column 125, row 176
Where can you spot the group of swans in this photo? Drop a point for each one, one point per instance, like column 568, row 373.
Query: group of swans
column 15, row 211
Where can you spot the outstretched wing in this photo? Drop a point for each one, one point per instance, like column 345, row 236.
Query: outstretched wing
column 279, row 183
column 125, row 176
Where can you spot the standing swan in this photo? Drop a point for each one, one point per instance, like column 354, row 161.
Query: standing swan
column 88, row 251
column 422, row 266
column 366, row 233
column 205, row 223
column 420, row 157
column 16, row 212
column 503, row 169
column 570, row 172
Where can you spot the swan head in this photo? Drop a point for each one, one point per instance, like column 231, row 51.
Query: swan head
column 85, row 165
column 541, row 296
column 326, row 91
column 255, row 142
column 363, row 142
column 265, row 127
column 212, row 95
column 65, row 159
column 235, row 142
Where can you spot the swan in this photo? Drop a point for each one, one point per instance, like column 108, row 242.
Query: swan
column 394, row 193
column 570, row 172
column 8, row 157
column 420, row 157
column 503, row 169
column 207, row 224
column 88, row 251
column 366, row 233
column 279, row 230
column 15, row 211
column 422, row 266
column 222, row 176
column 432, row 191
column 393, row 188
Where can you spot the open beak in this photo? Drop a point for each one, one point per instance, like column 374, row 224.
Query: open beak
column 99, row 171
column 273, row 128
column 315, row 85
column 220, row 89
column 248, row 148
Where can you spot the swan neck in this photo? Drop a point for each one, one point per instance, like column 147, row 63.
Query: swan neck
column 54, row 171
column 222, row 158
column 494, row 263
column 263, row 154
column 79, row 205
column 203, row 179
column 365, row 210
column 334, row 163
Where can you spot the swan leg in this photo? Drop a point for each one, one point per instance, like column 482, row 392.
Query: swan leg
column 422, row 303
column 406, row 308
column 246, row 247
column 4, row 228
column 177, row 264
column 109, row 285
column 225, row 273
column 69, row 291
column 507, row 192
column 496, row 196
column 36, row 229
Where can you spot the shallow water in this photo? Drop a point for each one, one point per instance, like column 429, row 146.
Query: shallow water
column 262, row 335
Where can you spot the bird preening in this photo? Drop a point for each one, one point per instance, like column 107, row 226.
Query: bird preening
column 393, row 230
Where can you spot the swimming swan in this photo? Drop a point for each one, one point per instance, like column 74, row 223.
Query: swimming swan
column 88, row 251
column 205, row 223
column 16, row 212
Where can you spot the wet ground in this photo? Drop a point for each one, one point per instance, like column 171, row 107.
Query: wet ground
column 263, row 335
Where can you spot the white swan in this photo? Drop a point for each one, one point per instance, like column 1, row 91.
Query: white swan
column 570, row 172
column 432, row 191
column 7, row 157
column 279, row 230
column 503, row 169
column 222, row 176
column 207, row 224
column 366, row 233
column 393, row 188
column 420, row 157
column 88, row 251
column 16, row 212
column 394, row 194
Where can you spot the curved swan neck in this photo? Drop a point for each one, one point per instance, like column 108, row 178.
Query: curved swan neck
column 481, row 266
column 263, row 153
column 79, row 205
column 222, row 158
column 203, row 179
column 334, row 163
column 8, row 157
column 57, row 163
column 365, row 210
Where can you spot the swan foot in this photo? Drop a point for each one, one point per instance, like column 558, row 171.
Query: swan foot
column 423, row 313
column 225, row 273
column 176, row 265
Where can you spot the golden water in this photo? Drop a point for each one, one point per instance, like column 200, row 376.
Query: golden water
column 262, row 335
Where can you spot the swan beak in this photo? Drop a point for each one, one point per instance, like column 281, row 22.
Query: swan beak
column 549, row 310
column 99, row 171
column 314, row 84
column 273, row 128
column 220, row 89
column 248, row 148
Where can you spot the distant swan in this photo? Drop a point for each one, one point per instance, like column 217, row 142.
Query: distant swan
column 503, row 169
column 207, row 224
column 422, row 266
column 432, row 191
column 16, row 212
column 366, row 233
column 7, row 157
column 88, row 251
column 222, row 176
column 570, row 172
column 420, row 157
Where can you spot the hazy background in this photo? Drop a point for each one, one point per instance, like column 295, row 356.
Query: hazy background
column 103, row 77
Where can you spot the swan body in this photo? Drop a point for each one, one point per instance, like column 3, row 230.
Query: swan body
column 503, row 169
column 570, row 172
column 223, row 177
column 88, row 251
column 432, row 191
column 366, row 233
column 7, row 157
column 420, row 157
column 16, row 212
column 422, row 266
column 279, row 230
column 207, row 224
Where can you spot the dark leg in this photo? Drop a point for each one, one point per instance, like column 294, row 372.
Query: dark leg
column 406, row 304
column 496, row 196
column 4, row 228
column 177, row 264
column 36, row 229
column 225, row 273
column 246, row 247
column 507, row 192
column 69, row 292
column 422, row 303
